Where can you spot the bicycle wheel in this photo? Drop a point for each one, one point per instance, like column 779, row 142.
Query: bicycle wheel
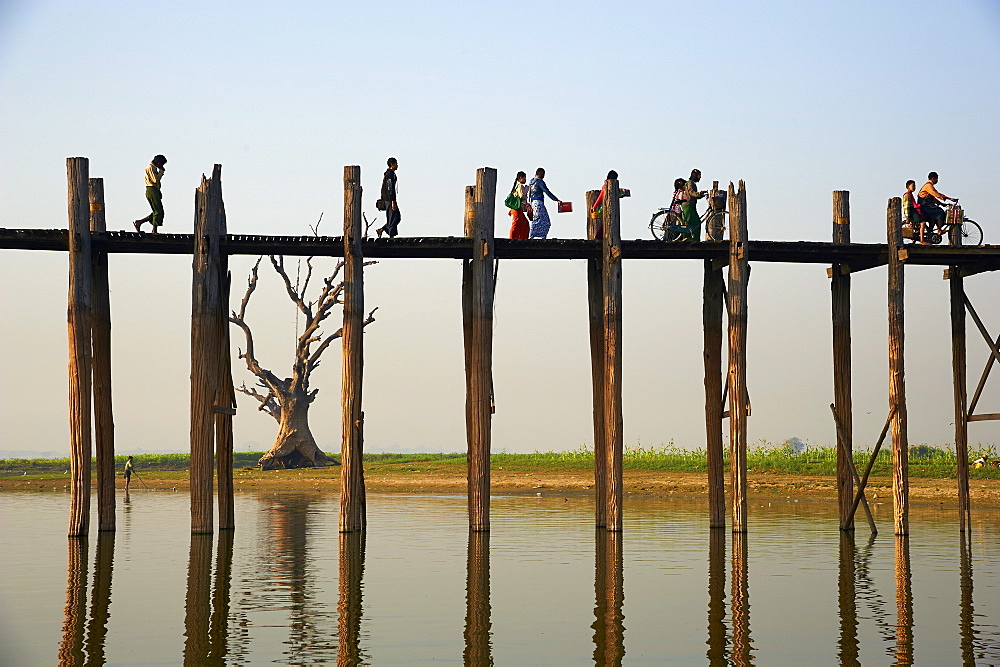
column 662, row 222
column 972, row 233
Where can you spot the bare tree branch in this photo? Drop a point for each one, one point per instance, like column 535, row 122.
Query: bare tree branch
column 268, row 403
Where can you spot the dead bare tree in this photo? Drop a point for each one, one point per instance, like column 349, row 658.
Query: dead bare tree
column 288, row 399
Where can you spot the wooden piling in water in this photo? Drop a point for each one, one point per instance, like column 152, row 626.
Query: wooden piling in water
column 897, row 388
column 206, row 335
column 840, row 290
column 353, row 514
column 739, row 273
column 959, row 387
column 75, row 612
column 104, row 424
column 595, row 310
column 79, row 324
column 225, row 408
column 611, row 280
column 711, row 320
column 479, row 349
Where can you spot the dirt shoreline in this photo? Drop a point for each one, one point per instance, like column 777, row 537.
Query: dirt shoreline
column 436, row 478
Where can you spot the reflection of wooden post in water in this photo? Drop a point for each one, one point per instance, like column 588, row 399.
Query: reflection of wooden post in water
column 352, row 571
column 478, row 297
column 739, row 405
column 71, row 646
column 840, row 289
column 478, row 649
column 198, row 604
column 904, row 602
column 711, row 321
column 740, row 600
column 100, row 598
column 104, row 425
column 611, row 278
column 897, row 390
column 218, row 628
column 595, row 309
column 847, row 599
column 717, row 654
column 966, row 613
column 609, row 590
column 78, row 317
column 353, row 508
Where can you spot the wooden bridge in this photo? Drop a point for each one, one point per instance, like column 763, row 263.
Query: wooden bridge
column 90, row 245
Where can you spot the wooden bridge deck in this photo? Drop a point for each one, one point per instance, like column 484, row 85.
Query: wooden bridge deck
column 858, row 255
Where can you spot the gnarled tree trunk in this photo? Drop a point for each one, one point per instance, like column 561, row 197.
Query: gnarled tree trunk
column 288, row 400
column 294, row 446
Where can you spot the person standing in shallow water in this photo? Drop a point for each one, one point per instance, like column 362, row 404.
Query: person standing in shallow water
column 537, row 190
column 128, row 472
column 154, row 174
column 388, row 195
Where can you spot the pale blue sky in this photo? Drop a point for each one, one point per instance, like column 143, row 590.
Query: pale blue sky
column 794, row 98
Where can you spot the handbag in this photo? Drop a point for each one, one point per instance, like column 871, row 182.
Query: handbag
column 381, row 204
column 512, row 201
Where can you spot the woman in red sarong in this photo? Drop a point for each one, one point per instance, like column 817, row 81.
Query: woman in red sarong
column 520, row 218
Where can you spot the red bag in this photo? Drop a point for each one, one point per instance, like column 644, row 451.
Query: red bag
column 564, row 207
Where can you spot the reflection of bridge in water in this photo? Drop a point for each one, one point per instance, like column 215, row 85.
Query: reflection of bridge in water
column 219, row 629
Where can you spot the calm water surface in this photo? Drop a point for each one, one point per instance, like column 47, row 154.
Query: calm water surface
column 542, row 588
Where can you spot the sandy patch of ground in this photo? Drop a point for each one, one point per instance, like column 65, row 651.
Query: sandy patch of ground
column 450, row 478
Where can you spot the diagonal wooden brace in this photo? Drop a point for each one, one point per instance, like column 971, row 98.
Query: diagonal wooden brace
column 841, row 443
column 859, row 495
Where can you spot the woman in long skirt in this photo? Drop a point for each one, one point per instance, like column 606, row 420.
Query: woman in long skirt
column 540, row 217
column 689, row 210
column 519, row 216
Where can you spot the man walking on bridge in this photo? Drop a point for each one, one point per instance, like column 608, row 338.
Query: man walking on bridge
column 154, row 174
column 388, row 197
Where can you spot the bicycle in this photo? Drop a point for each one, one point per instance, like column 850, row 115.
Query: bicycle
column 954, row 217
column 666, row 224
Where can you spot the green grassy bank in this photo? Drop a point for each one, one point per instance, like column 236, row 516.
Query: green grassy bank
column 925, row 461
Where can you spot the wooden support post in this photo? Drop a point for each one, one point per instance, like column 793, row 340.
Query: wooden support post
column 104, row 424
column 479, row 349
column 711, row 319
column 959, row 386
column 897, row 388
column 966, row 616
column 206, row 333
column 611, row 280
column 595, row 309
column 352, row 474
column 78, row 317
column 739, row 273
column 840, row 288
column 478, row 623
column 226, row 399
